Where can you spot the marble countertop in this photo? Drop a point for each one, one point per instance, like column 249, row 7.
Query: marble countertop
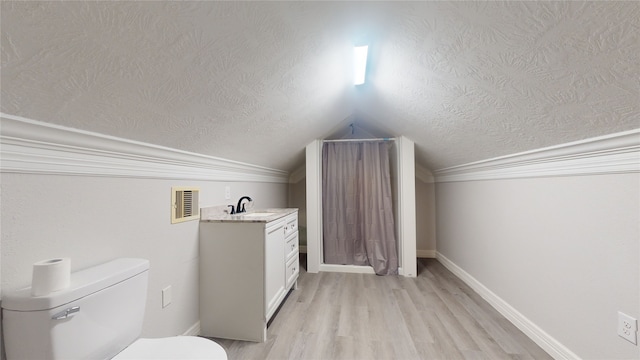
column 247, row 217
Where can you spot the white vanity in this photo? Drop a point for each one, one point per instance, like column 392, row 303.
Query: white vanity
column 248, row 264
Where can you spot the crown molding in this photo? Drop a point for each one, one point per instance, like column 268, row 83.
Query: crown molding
column 611, row 154
column 424, row 175
column 34, row 147
column 298, row 174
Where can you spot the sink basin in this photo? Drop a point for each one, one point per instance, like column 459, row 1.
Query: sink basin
column 258, row 214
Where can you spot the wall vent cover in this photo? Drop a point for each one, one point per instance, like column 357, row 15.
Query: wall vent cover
column 184, row 204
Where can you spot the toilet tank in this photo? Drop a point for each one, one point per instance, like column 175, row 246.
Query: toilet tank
column 104, row 307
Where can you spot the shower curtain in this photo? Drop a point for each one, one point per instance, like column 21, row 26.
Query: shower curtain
column 358, row 226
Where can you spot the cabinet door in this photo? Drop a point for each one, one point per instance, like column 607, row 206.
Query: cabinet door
column 274, row 268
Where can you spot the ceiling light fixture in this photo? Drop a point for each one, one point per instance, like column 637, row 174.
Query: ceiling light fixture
column 359, row 64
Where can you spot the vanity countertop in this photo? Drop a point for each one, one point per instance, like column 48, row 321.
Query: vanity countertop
column 247, row 217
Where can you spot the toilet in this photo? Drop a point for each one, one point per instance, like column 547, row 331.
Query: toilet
column 99, row 316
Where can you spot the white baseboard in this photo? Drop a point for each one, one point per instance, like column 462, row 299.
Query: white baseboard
column 425, row 253
column 357, row 269
column 193, row 330
column 539, row 336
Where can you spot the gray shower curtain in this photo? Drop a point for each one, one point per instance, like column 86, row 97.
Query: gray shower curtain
column 358, row 226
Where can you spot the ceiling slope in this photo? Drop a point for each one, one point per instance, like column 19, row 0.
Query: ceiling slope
column 256, row 81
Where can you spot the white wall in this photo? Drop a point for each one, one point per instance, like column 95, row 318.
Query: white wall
column 426, row 215
column 298, row 199
column 562, row 251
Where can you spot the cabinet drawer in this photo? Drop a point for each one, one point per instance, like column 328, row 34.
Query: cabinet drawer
column 291, row 246
column 293, row 269
column 291, row 225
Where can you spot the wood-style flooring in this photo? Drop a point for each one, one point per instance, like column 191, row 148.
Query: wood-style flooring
column 361, row 316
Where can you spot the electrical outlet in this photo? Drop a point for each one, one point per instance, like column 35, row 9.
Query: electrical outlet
column 627, row 327
column 227, row 192
column 166, row 296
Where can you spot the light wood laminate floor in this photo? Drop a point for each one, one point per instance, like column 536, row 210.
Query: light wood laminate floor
column 360, row 316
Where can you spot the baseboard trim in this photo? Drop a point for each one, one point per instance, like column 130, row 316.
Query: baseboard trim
column 356, row 269
column 425, row 254
column 194, row 330
column 611, row 154
column 35, row 147
column 539, row 336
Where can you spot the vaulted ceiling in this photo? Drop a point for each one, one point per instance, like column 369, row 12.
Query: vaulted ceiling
column 257, row 81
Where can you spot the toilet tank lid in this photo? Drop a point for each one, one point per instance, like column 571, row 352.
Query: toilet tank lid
column 83, row 283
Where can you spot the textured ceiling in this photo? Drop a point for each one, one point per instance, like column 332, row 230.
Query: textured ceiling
column 257, row 81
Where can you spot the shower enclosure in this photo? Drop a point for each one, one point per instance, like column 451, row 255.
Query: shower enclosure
column 403, row 194
column 357, row 205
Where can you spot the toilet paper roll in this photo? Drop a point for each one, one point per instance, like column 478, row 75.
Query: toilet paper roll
column 50, row 275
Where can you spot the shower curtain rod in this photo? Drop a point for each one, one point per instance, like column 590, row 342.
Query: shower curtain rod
column 355, row 140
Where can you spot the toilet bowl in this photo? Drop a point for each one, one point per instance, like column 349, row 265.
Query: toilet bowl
column 99, row 316
column 177, row 347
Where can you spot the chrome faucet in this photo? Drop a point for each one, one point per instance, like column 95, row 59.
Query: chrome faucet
column 240, row 207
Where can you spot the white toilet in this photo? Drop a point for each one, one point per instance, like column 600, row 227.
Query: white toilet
column 98, row 317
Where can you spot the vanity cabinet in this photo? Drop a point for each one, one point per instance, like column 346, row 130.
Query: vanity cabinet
column 247, row 267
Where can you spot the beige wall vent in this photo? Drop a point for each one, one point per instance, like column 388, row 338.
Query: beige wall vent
column 184, row 204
